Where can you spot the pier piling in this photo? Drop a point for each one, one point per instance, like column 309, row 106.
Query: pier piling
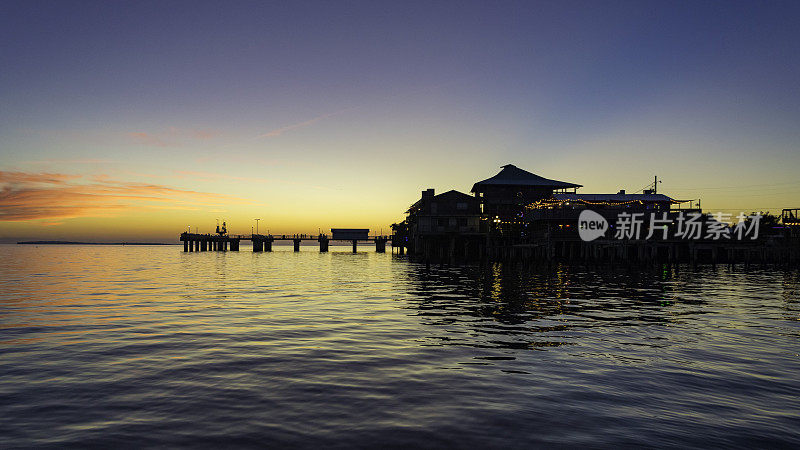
column 380, row 244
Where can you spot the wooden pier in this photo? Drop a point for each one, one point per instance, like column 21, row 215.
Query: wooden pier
column 195, row 242
column 773, row 250
column 783, row 250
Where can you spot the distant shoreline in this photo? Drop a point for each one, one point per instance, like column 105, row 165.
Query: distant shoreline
column 88, row 243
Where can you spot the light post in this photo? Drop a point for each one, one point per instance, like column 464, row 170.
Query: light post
column 256, row 225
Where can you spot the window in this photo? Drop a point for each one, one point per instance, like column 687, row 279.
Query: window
column 461, row 206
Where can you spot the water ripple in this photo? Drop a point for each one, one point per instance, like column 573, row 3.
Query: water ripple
column 138, row 346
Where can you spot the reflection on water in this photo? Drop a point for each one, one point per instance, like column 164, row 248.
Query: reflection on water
column 150, row 346
column 518, row 306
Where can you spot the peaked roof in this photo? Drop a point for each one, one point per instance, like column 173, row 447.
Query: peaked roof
column 512, row 175
column 449, row 195
column 454, row 194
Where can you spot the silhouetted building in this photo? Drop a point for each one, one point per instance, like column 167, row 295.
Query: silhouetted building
column 506, row 194
column 451, row 212
column 557, row 216
column 516, row 212
column 443, row 221
column 647, row 201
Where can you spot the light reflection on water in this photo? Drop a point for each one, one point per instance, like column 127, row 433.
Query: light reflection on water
column 132, row 346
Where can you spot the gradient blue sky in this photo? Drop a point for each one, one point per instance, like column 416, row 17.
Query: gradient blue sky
column 135, row 119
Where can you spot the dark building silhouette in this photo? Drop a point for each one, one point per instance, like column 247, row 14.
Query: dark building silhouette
column 450, row 212
column 646, row 200
column 518, row 214
column 451, row 219
column 505, row 195
column 567, row 206
column 513, row 209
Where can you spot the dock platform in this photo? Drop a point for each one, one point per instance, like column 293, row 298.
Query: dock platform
column 195, row 242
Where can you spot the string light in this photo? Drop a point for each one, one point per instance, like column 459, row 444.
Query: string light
column 551, row 203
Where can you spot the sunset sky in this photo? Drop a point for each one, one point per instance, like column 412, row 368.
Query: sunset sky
column 133, row 120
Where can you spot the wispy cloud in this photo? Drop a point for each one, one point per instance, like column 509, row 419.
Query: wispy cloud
column 54, row 197
column 68, row 161
column 35, row 178
column 279, row 131
column 172, row 136
column 141, row 137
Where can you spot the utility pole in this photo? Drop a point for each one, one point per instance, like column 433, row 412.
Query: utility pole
column 655, row 185
column 257, row 225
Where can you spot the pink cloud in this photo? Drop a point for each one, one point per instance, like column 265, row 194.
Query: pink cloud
column 54, row 197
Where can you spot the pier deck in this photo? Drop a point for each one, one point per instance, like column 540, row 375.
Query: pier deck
column 196, row 242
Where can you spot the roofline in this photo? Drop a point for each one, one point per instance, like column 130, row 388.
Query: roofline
column 564, row 185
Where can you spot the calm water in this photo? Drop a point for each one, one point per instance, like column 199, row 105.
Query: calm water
column 142, row 346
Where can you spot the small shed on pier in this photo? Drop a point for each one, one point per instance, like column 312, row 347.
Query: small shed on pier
column 349, row 234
